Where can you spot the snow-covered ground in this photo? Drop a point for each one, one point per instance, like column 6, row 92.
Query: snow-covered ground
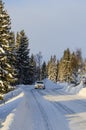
column 59, row 107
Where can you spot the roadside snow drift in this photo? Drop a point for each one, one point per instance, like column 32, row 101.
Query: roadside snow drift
column 7, row 109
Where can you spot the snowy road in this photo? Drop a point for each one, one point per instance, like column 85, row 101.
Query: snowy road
column 39, row 113
column 49, row 109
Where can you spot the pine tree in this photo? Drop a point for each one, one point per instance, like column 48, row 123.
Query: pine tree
column 62, row 69
column 57, row 70
column 64, row 66
column 44, row 70
column 79, row 58
column 84, row 66
column 22, row 58
column 52, row 69
column 6, row 50
column 38, row 59
column 32, row 69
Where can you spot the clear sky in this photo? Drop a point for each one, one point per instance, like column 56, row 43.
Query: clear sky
column 51, row 25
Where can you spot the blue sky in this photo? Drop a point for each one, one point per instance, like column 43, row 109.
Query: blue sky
column 51, row 25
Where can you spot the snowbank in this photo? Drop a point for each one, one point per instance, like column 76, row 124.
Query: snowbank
column 68, row 88
column 9, row 107
column 12, row 94
column 72, row 89
column 50, row 84
column 8, row 111
column 82, row 92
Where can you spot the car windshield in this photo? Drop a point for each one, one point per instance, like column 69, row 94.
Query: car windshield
column 39, row 82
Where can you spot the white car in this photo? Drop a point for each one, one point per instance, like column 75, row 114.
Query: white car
column 39, row 85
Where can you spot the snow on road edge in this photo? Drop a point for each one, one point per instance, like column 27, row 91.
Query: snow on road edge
column 10, row 118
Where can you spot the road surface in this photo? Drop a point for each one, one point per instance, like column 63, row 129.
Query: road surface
column 50, row 109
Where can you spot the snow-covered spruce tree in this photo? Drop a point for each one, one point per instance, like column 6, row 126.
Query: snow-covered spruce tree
column 49, row 66
column 52, row 69
column 74, row 68
column 22, row 58
column 64, row 67
column 6, row 50
column 68, row 67
column 78, row 54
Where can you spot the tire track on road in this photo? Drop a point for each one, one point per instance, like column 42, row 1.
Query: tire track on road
column 43, row 113
column 63, row 108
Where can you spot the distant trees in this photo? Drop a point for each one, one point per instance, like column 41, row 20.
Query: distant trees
column 69, row 66
column 67, row 69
